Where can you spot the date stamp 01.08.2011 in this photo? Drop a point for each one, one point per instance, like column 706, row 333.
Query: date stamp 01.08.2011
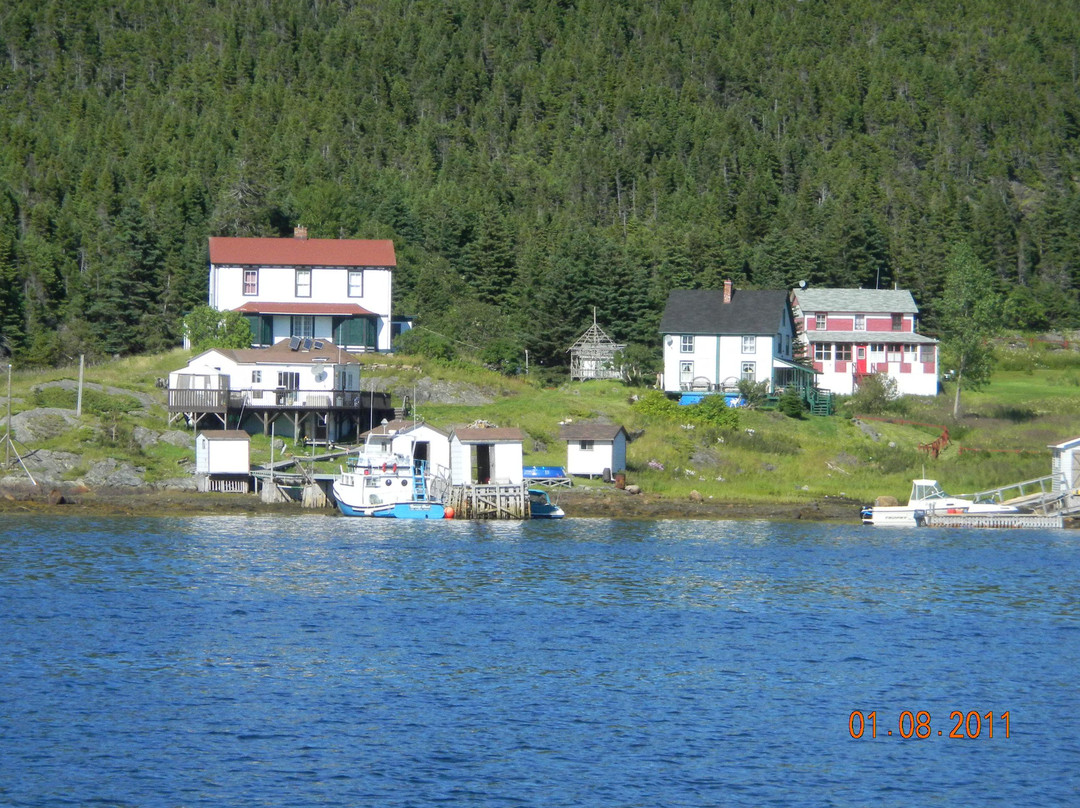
column 918, row 725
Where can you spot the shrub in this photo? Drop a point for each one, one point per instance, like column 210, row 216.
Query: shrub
column 876, row 393
column 791, row 403
column 420, row 342
column 655, row 406
column 714, row 411
column 753, row 394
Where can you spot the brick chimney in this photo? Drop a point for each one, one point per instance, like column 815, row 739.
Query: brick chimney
column 300, row 233
column 727, row 291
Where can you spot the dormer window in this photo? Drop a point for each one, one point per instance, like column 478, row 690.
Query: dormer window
column 819, row 322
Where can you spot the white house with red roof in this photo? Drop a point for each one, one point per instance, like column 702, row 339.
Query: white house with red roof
column 335, row 289
column 849, row 334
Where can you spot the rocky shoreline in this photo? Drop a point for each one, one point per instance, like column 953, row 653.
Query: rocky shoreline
column 19, row 496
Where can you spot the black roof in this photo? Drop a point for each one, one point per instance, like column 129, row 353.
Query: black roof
column 703, row 311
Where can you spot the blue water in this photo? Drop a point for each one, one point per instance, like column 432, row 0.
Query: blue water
column 315, row 660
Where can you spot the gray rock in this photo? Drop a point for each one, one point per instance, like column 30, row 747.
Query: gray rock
column 46, row 467
column 112, row 474
column 144, row 399
column 145, row 437
column 35, row 426
column 867, row 430
column 177, row 484
column 176, row 437
column 633, row 489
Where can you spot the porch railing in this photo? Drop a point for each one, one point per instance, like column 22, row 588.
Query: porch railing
column 276, row 398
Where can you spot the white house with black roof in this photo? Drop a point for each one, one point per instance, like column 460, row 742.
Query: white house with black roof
column 714, row 338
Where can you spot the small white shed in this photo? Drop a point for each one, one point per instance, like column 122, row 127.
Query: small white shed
column 593, row 448
column 486, row 455
column 223, row 460
column 1066, row 466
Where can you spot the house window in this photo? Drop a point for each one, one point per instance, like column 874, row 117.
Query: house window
column 749, row 344
column 748, row 371
column 686, row 343
column 288, row 379
column 251, row 281
column 686, row 372
column 302, row 325
column 926, row 353
column 822, row 351
column 256, row 377
column 877, row 348
column 819, row 322
column 897, row 322
column 860, row 322
column 303, row 283
column 356, row 283
column 896, row 353
column 843, row 352
column 585, row 445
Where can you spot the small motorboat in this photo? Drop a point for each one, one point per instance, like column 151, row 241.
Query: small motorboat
column 927, row 499
column 541, row 506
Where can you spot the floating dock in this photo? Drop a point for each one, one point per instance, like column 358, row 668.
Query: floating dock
column 997, row 520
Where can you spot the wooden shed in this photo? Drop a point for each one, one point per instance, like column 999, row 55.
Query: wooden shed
column 486, row 454
column 593, row 448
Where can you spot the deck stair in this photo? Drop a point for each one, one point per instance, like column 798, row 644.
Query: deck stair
column 820, row 402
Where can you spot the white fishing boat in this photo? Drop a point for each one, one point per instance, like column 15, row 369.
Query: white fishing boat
column 928, row 499
column 381, row 482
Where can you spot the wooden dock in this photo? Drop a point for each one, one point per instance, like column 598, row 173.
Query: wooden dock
column 490, row 501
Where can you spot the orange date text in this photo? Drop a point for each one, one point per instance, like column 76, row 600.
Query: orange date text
column 968, row 725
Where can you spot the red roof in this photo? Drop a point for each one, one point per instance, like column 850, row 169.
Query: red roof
column 307, row 252
column 257, row 307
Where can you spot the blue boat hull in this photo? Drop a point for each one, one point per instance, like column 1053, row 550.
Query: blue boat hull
column 397, row 510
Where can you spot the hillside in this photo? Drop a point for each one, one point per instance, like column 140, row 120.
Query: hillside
column 765, row 460
column 531, row 159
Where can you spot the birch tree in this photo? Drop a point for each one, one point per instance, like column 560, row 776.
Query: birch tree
column 969, row 315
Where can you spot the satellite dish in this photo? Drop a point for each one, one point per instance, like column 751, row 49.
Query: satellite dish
column 320, row 375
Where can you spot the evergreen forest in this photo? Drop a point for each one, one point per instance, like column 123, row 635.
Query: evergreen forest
column 532, row 159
